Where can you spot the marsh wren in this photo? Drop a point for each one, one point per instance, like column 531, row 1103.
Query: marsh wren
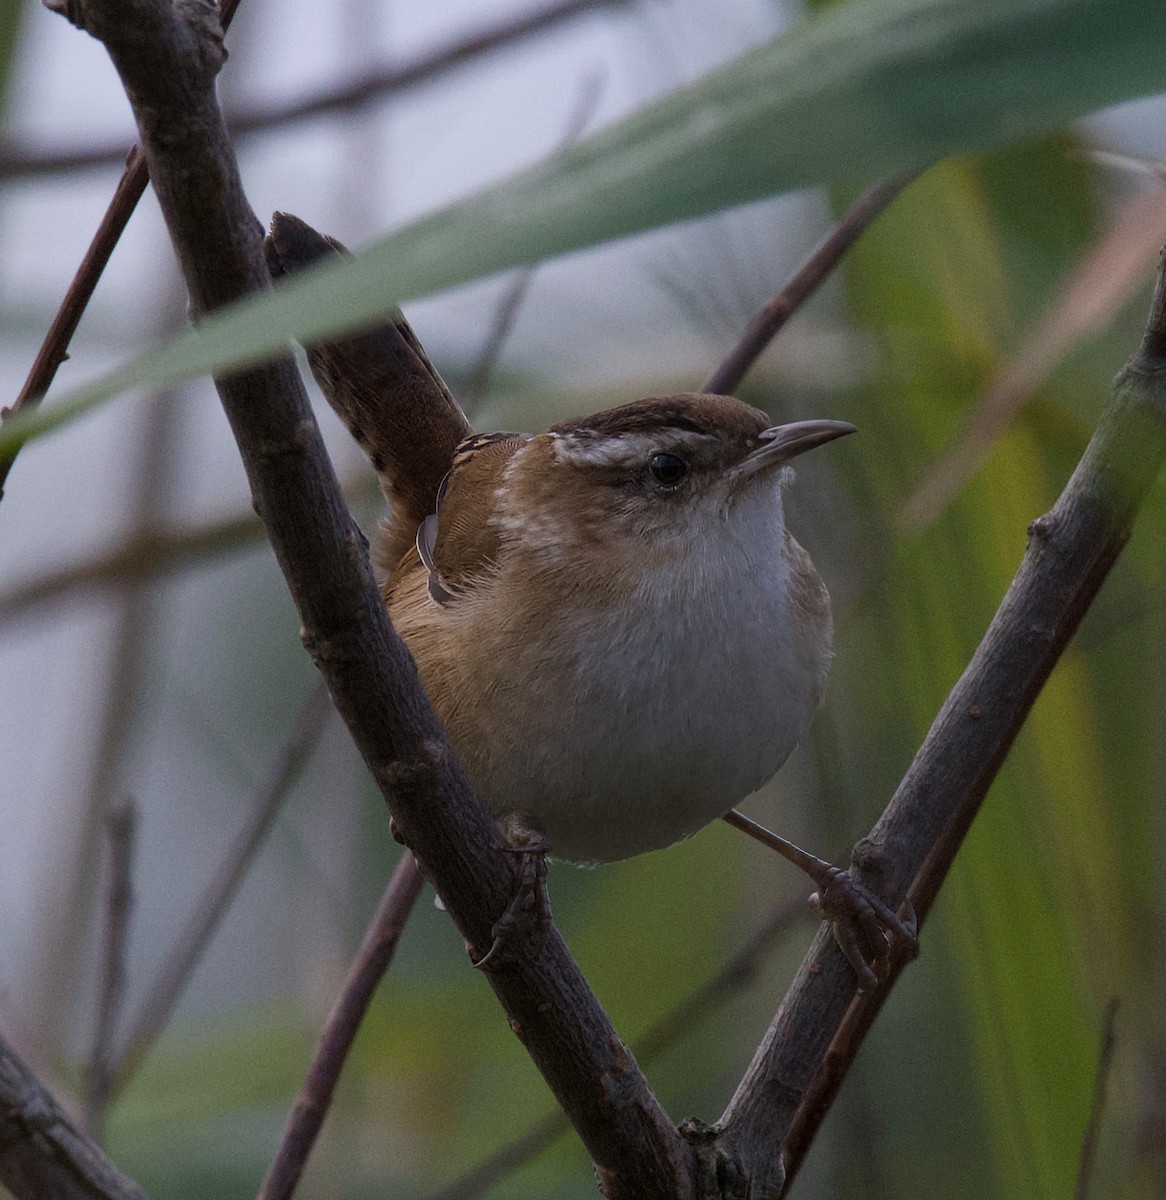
column 610, row 618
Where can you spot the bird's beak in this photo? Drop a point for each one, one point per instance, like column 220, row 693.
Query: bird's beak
column 780, row 443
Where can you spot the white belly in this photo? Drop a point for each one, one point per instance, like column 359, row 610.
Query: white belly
column 664, row 722
column 668, row 734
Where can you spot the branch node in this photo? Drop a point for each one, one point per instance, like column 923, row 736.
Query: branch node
column 876, row 869
column 413, row 779
column 202, row 18
column 69, row 9
column 299, row 442
column 717, row 1175
column 1142, row 364
column 329, row 651
column 417, row 774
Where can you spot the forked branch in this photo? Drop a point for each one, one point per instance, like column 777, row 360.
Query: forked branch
column 821, row 1023
column 168, row 57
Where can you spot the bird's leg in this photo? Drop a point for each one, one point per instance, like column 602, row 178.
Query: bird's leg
column 847, row 905
column 528, row 915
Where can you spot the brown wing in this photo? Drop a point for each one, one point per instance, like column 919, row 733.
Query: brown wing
column 384, row 388
column 466, row 543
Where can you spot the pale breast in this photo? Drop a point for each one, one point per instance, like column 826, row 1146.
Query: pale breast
column 673, row 728
column 625, row 727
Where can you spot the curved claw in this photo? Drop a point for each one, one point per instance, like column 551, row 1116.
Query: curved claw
column 852, row 909
column 527, row 917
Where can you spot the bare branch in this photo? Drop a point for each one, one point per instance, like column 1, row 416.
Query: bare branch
column 712, row 995
column 120, row 825
column 148, row 554
column 702, row 1003
column 1097, row 1105
column 55, row 348
column 42, row 1153
column 368, row 967
column 477, row 379
column 828, row 253
column 188, row 947
column 1152, row 353
column 129, row 637
column 344, row 98
column 167, row 56
column 821, row 1023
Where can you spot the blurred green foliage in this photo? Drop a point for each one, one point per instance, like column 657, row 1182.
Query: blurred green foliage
column 977, row 1080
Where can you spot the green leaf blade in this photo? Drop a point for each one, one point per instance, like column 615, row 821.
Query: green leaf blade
column 864, row 89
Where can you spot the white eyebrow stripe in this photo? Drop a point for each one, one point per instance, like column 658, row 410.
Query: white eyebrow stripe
column 624, row 449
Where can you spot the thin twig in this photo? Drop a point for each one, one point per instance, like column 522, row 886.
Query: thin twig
column 740, row 971
column 1153, row 351
column 804, row 282
column 188, row 947
column 475, row 385
column 43, row 1153
column 368, row 968
column 120, row 825
column 132, row 185
column 818, row 1030
column 349, row 96
column 701, row 1004
column 1097, row 1105
column 477, row 380
column 130, row 637
column 147, row 555
column 54, row 349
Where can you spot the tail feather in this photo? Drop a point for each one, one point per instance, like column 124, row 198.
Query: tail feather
column 384, row 388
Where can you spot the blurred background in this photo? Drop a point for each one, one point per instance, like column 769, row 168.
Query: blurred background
column 149, row 652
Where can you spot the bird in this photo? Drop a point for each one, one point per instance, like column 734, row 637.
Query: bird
column 611, row 619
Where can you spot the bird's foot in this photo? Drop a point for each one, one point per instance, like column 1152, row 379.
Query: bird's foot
column 855, row 913
column 858, row 917
column 527, row 917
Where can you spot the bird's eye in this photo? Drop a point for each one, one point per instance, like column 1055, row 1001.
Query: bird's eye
column 667, row 469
